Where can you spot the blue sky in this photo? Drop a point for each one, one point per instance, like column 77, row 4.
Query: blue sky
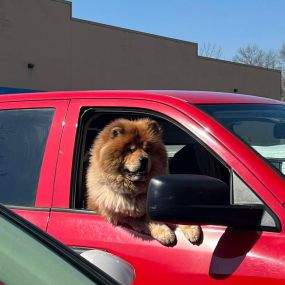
column 227, row 24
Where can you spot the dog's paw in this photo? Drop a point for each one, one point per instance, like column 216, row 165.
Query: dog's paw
column 163, row 234
column 192, row 233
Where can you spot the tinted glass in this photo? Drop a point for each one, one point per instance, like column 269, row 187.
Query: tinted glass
column 23, row 136
column 25, row 260
column 262, row 127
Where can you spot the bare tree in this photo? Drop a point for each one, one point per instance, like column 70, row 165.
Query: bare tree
column 210, row 50
column 253, row 55
column 282, row 53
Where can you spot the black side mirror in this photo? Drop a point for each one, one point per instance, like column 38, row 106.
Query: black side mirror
column 197, row 199
column 279, row 131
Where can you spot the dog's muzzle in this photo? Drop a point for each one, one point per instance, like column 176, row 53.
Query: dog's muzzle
column 141, row 173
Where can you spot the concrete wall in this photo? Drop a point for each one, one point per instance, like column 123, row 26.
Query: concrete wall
column 36, row 31
column 72, row 54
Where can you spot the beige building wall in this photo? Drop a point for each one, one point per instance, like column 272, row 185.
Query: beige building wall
column 72, row 54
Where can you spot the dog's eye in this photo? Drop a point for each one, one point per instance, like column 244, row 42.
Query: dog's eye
column 147, row 148
column 130, row 148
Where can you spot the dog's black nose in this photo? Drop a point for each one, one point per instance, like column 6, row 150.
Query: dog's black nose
column 143, row 163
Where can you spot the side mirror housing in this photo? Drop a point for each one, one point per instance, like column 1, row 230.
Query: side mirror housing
column 116, row 267
column 197, row 199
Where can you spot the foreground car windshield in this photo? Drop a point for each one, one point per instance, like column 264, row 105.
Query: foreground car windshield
column 262, row 127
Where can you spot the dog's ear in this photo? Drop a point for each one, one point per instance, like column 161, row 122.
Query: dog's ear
column 116, row 131
column 154, row 127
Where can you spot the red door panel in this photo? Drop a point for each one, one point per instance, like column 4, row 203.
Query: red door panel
column 153, row 262
column 37, row 217
column 224, row 256
column 39, row 213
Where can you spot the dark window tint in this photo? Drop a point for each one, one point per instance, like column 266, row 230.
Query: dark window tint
column 23, row 136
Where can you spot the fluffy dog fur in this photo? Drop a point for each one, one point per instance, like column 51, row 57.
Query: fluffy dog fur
column 124, row 157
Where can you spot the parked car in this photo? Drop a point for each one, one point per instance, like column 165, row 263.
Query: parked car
column 30, row 256
column 235, row 142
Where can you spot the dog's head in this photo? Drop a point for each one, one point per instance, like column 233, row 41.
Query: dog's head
column 132, row 151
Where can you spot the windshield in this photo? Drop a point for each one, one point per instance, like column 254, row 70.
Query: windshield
column 262, row 127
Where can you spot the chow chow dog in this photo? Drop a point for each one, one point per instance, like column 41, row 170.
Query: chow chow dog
column 124, row 157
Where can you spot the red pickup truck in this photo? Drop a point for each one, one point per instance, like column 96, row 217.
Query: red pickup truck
column 229, row 148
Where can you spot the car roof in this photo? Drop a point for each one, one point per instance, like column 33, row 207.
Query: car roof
column 192, row 97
